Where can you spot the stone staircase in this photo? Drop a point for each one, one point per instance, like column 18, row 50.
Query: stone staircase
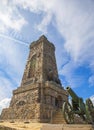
column 58, row 118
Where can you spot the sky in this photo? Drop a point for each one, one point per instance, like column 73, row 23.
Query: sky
column 68, row 24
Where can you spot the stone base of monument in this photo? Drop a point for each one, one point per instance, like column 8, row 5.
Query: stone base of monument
column 67, row 127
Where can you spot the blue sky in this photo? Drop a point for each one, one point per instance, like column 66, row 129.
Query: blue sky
column 68, row 24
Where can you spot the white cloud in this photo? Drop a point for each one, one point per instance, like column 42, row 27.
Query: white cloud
column 4, row 103
column 10, row 17
column 43, row 25
column 35, row 6
column 91, row 80
column 75, row 24
column 92, row 99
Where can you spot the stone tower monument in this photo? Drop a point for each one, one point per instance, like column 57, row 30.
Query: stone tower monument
column 41, row 92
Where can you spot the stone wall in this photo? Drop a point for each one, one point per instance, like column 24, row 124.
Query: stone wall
column 35, row 112
column 22, row 112
column 38, row 103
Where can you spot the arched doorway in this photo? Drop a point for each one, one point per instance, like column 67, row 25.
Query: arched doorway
column 58, row 101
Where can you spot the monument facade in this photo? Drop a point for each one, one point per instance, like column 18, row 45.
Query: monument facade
column 41, row 92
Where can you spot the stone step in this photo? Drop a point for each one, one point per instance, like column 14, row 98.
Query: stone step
column 58, row 121
column 54, row 121
column 58, row 118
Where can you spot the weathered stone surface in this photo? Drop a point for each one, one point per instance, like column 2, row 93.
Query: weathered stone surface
column 41, row 92
column 22, row 112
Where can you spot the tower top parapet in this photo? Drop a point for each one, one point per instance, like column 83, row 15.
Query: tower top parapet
column 42, row 39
